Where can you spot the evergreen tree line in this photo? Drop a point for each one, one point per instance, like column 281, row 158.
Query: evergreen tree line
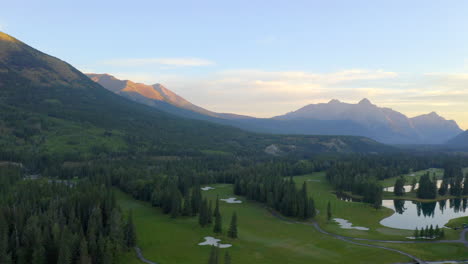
column 350, row 177
column 42, row 223
column 429, row 232
column 277, row 193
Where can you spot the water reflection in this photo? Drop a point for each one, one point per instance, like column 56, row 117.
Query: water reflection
column 410, row 214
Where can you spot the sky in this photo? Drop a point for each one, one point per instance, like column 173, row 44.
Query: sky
column 265, row 58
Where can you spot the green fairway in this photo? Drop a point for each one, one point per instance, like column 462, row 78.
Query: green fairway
column 262, row 237
column 439, row 173
column 359, row 214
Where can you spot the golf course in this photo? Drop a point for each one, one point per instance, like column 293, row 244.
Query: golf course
column 266, row 238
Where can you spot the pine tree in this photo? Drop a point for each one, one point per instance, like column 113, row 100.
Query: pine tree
column 218, row 224
column 176, row 204
column 216, row 211
column 416, row 233
column 465, row 185
column 203, row 214
column 209, row 215
column 399, row 188
column 437, row 231
column 312, row 211
column 5, row 256
column 84, row 255
column 214, row 258
column 329, row 212
column 413, row 184
column 38, row 255
column 130, row 232
column 196, row 201
column 187, row 211
column 227, row 258
column 232, row 232
column 64, row 256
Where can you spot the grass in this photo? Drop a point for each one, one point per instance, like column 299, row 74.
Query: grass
column 266, row 239
column 432, row 252
column 262, row 237
column 391, row 181
column 360, row 214
column 458, row 222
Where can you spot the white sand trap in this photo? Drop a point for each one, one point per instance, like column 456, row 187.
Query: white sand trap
column 421, row 238
column 412, row 174
column 232, row 200
column 313, row 180
column 207, row 188
column 345, row 224
column 211, row 241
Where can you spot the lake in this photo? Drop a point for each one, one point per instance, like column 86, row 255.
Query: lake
column 411, row 214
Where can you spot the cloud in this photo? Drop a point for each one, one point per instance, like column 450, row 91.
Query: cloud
column 174, row 62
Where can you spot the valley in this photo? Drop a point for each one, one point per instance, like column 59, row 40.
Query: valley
column 288, row 133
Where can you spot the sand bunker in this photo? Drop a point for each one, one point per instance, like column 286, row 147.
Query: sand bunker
column 207, row 188
column 313, row 180
column 345, row 224
column 232, row 200
column 211, row 241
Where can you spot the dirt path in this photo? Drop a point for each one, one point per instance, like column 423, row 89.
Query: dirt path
column 140, row 256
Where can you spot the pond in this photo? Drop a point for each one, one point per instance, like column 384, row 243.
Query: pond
column 411, row 214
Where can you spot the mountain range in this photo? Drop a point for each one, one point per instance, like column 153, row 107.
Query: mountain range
column 332, row 118
column 51, row 112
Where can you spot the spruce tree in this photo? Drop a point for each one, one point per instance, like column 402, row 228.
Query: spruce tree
column 329, row 212
column 84, row 255
column 176, row 204
column 218, row 224
column 416, row 233
column 187, row 211
column 5, row 256
column 196, row 200
column 216, row 211
column 209, row 215
column 399, row 188
column 130, row 232
column 437, row 231
column 38, row 255
column 431, row 232
column 214, row 258
column 465, row 185
column 227, row 258
column 232, row 232
column 203, row 214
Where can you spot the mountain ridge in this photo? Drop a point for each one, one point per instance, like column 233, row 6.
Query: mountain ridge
column 333, row 118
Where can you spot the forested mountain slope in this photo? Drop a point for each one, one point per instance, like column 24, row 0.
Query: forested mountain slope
column 51, row 111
